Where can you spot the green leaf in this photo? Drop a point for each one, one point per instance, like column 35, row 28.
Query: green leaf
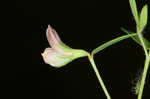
column 111, row 42
column 137, row 40
column 143, row 17
column 134, row 11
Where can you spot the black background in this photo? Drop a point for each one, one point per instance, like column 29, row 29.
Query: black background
column 83, row 24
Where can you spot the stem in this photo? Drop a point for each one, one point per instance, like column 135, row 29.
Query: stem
column 146, row 65
column 99, row 77
column 143, row 44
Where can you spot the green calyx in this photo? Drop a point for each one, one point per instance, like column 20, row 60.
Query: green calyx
column 72, row 53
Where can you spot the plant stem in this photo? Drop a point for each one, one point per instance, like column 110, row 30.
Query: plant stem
column 146, row 65
column 98, row 76
column 143, row 44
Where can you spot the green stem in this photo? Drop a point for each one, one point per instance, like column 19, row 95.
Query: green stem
column 99, row 77
column 146, row 65
column 143, row 44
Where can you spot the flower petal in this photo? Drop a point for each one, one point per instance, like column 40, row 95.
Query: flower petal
column 54, row 40
column 54, row 58
column 52, row 34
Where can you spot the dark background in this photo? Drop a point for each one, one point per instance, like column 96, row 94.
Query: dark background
column 83, row 24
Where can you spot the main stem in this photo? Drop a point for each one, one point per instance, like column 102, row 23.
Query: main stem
column 99, row 77
column 146, row 65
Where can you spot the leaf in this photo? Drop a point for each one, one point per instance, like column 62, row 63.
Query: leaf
column 143, row 16
column 134, row 11
column 111, row 42
column 137, row 40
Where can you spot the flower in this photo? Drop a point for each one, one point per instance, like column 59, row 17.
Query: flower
column 59, row 54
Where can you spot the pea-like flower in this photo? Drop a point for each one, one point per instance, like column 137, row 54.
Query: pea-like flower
column 59, row 54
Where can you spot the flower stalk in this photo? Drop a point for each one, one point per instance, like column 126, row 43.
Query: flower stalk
column 98, row 76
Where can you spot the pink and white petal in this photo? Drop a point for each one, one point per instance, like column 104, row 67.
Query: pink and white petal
column 54, row 40
column 54, row 58
column 55, row 33
column 52, row 36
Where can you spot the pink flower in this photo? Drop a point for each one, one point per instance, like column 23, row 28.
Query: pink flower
column 59, row 54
